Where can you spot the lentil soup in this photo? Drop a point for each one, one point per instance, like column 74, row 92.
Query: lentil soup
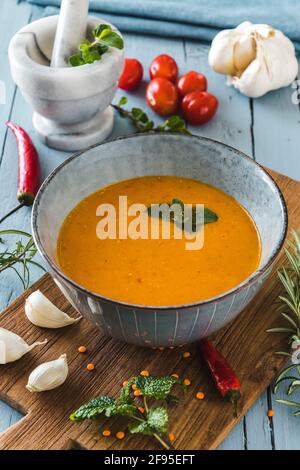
column 160, row 272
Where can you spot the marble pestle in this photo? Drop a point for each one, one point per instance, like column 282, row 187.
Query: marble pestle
column 71, row 30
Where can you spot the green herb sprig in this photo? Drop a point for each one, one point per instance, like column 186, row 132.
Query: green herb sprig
column 186, row 219
column 19, row 258
column 154, row 420
column 142, row 123
column 290, row 310
column 90, row 52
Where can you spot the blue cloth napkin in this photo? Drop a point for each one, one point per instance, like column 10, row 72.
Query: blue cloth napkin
column 192, row 19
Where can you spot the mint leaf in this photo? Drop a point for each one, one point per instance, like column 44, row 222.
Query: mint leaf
column 174, row 124
column 123, row 100
column 140, row 428
column 155, row 387
column 139, row 115
column 209, row 216
column 156, row 423
column 182, row 219
column 93, row 408
column 110, row 38
column 99, row 30
column 125, row 394
column 76, row 60
column 89, row 54
column 158, row 388
column 120, row 410
column 101, row 48
column 158, row 420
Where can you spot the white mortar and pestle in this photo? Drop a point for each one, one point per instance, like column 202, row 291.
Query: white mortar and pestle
column 71, row 104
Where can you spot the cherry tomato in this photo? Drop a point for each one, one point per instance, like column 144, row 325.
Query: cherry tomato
column 162, row 96
column 199, row 107
column 164, row 66
column 191, row 81
column 132, row 74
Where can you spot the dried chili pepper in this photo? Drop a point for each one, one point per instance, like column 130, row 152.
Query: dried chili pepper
column 224, row 376
column 28, row 169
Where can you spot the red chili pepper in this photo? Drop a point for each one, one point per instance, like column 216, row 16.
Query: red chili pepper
column 28, row 168
column 224, row 376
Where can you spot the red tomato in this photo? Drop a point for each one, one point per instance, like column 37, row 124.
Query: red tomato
column 199, row 107
column 164, row 66
column 132, row 74
column 191, row 81
column 162, row 96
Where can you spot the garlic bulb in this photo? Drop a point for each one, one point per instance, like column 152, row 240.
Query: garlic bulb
column 48, row 375
column 256, row 57
column 13, row 347
column 41, row 312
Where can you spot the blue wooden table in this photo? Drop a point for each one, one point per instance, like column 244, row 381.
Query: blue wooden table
column 268, row 129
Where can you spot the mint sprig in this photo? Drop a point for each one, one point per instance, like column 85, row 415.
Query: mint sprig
column 185, row 219
column 142, row 123
column 154, row 420
column 90, row 52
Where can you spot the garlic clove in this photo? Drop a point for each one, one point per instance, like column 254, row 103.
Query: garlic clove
column 41, row 312
column 13, row 347
column 244, row 53
column 48, row 375
column 220, row 55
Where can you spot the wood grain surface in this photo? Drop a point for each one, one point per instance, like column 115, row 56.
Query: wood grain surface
column 196, row 424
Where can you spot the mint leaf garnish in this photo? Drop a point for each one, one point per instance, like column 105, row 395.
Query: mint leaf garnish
column 90, row 52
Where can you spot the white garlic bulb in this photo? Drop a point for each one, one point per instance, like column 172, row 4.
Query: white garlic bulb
column 48, row 375
column 41, row 312
column 256, row 58
column 13, row 347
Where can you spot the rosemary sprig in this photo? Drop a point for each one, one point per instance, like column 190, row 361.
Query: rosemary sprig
column 290, row 310
column 20, row 257
column 142, row 122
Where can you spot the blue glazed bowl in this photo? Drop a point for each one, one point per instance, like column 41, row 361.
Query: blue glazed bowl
column 160, row 154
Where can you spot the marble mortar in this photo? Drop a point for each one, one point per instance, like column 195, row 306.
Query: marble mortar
column 71, row 104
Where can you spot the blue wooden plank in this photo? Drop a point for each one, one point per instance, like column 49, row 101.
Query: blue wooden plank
column 8, row 416
column 10, row 23
column 277, row 132
column 258, row 426
column 232, row 123
column 286, row 426
column 236, row 438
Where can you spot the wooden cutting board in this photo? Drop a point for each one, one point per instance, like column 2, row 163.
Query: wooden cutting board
column 196, row 424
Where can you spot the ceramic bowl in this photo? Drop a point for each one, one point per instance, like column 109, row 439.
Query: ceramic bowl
column 160, row 154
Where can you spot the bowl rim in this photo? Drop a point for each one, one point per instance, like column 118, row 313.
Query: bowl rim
column 246, row 283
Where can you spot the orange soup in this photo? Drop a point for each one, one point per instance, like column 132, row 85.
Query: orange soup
column 159, row 272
